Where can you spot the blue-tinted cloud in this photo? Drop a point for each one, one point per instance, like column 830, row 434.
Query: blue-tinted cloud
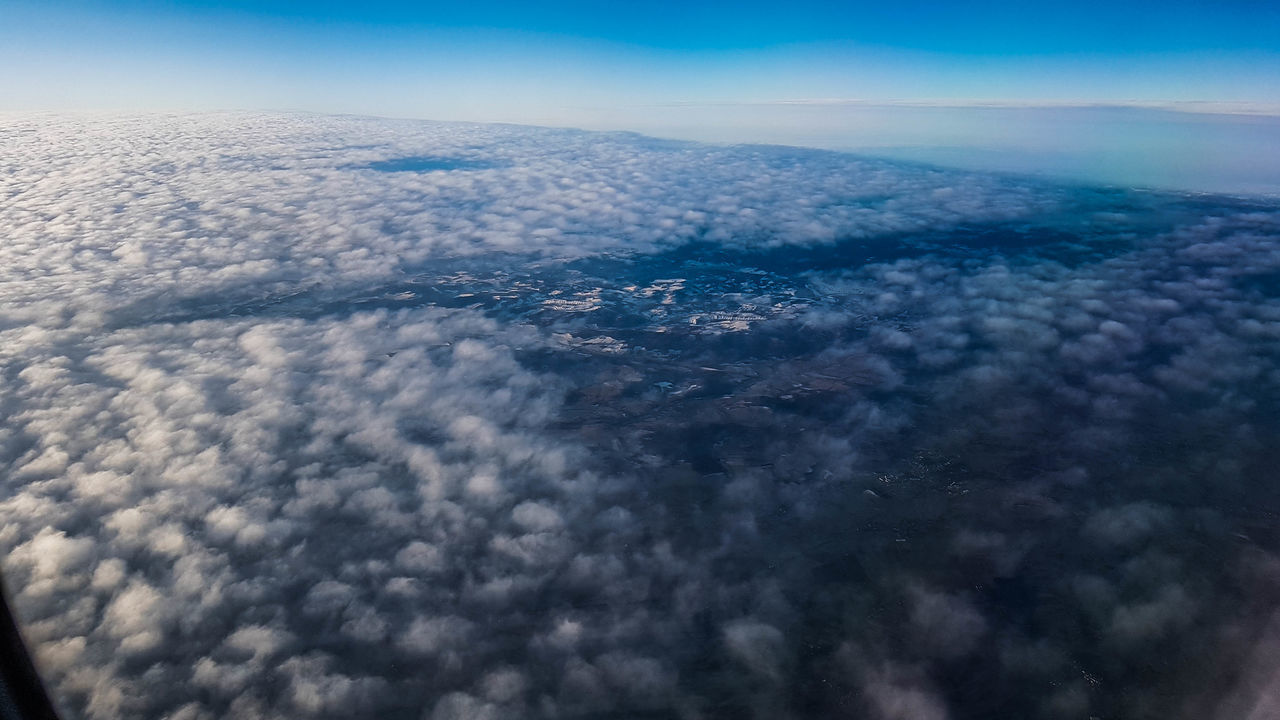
column 569, row 424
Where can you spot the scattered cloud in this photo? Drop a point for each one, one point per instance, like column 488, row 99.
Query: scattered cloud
column 564, row 424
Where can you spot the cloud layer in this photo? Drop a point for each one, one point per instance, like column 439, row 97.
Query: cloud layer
column 333, row 417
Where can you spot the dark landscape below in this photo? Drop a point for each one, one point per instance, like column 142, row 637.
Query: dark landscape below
column 339, row 417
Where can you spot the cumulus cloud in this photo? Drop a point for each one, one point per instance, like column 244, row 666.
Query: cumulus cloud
column 554, row 424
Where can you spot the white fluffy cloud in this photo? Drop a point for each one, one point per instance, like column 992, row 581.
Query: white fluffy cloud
column 597, row 424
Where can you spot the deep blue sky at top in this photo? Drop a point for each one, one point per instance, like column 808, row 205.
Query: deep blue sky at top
column 507, row 59
column 984, row 27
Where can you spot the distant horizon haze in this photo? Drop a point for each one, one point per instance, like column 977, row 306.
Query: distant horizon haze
column 1179, row 95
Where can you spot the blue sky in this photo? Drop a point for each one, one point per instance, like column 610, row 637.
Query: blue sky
column 1001, row 27
column 549, row 61
column 910, row 79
